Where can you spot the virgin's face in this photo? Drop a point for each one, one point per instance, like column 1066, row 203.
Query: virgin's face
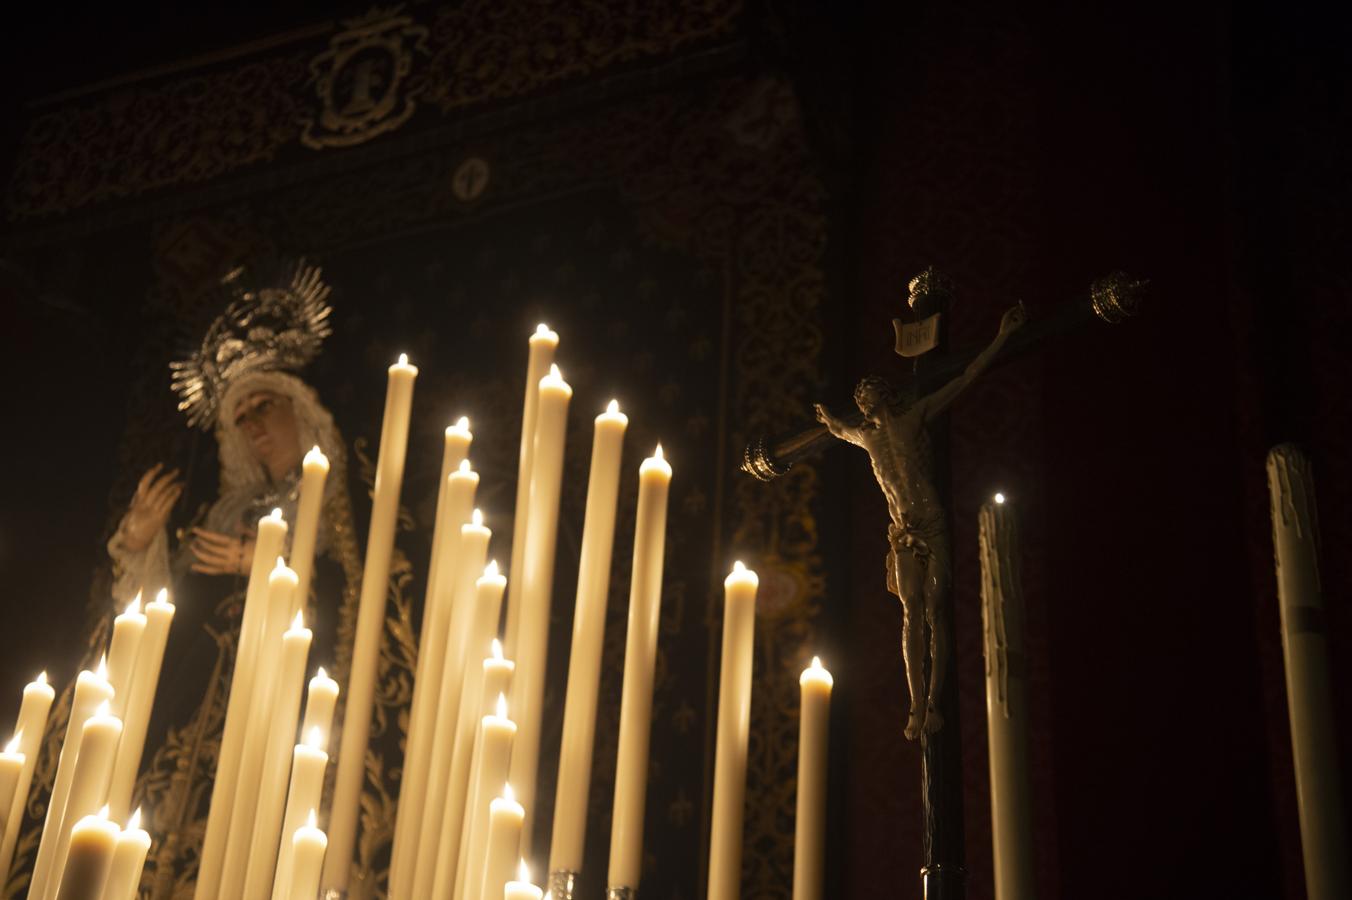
column 268, row 423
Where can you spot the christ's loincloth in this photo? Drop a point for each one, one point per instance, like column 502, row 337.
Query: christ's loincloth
column 916, row 538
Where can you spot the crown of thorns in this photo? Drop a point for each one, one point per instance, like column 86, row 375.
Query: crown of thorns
column 277, row 326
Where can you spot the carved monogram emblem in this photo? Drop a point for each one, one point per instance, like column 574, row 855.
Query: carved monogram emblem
column 360, row 80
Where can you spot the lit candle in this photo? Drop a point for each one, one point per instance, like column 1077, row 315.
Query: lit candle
column 268, row 540
column 543, row 344
column 522, row 888
column 446, row 823
column 813, row 737
column 469, row 564
column 159, row 614
column 454, row 510
column 1002, row 619
column 91, row 692
column 503, row 848
column 536, row 584
column 84, row 875
column 11, row 771
column 129, row 858
column 274, row 651
column 589, row 628
column 308, row 846
column 320, row 699
column 314, row 472
column 89, row 785
column 272, row 786
column 31, row 725
column 734, row 727
column 492, row 756
column 370, row 624
column 1314, row 748
column 304, row 791
column 127, row 631
column 640, row 660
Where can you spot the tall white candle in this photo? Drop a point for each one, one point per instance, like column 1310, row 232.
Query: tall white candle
column 454, row 510
column 543, row 344
column 640, row 661
column 492, row 757
column 521, row 888
column 308, row 847
column 506, row 818
column 810, row 823
column 272, row 785
column 268, row 541
column 122, row 649
column 129, row 858
column 272, row 654
column 159, row 614
column 537, row 583
column 1323, row 826
column 320, row 699
column 91, row 691
column 84, row 873
column 447, row 822
column 734, row 728
column 304, row 791
column 89, row 785
column 314, row 472
column 1002, row 618
column 31, row 726
column 589, row 627
column 11, row 770
column 370, row 624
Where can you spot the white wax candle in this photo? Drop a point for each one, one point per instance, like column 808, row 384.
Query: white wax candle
column 268, row 541
column 272, row 785
column 304, row 792
column 543, row 344
column 370, row 624
column 492, row 757
column 282, row 585
column 1006, row 701
column 813, row 738
column 159, row 614
column 447, row 823
column 129, row 858
column 84, row 875
column 522, row 888
column 11, row 771
column 536, row 587
column 314, row 472
column 31, row 726
column 89, row 785
column 503, row 847
column 320, row 699
column 91, row 691
column 640, row 660
column 589, row 628
column 469, row 564
column 122, row 649
column 734, row 729
column 1314, row 744
column 454, row 510
column 308, row 848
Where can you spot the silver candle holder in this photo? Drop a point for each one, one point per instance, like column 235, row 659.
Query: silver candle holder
column 563, row 884
column 621, row 893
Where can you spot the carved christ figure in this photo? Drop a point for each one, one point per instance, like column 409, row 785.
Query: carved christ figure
column 894, row 432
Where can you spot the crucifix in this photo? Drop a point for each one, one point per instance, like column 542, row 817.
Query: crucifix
column 901, row 427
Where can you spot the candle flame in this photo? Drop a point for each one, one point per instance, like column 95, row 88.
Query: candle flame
column 277, row 513
column 135, row 821
column 321, row 673
column 102, row 670
column 497, row 649
column 403, row 359
column 816, row 662
column 315, row 738
column 613, row 407
column 523, row 872
column 477, row 518
column 316, row 456
column 542, row 328
column 502, row 706
column 657, row 454
column 162, row 597
column 464, row 466
column 104, row 709
column 999, row 498
column 281, row 564
column 134, row 607
column 13, row 745
column 462, row 423
column 103, row 813
column 312, row 821
column 298, row 622
column 42, row 677
column 137, row 598
column 554, row 371
column 738, row 566
column 491, row 570
column 508, row 794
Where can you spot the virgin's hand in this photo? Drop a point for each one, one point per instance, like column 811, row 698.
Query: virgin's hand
column 155, row 496
column 221, row 554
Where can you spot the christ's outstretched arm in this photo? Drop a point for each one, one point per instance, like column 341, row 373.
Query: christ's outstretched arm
column 838, row 428
column 937, row 402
